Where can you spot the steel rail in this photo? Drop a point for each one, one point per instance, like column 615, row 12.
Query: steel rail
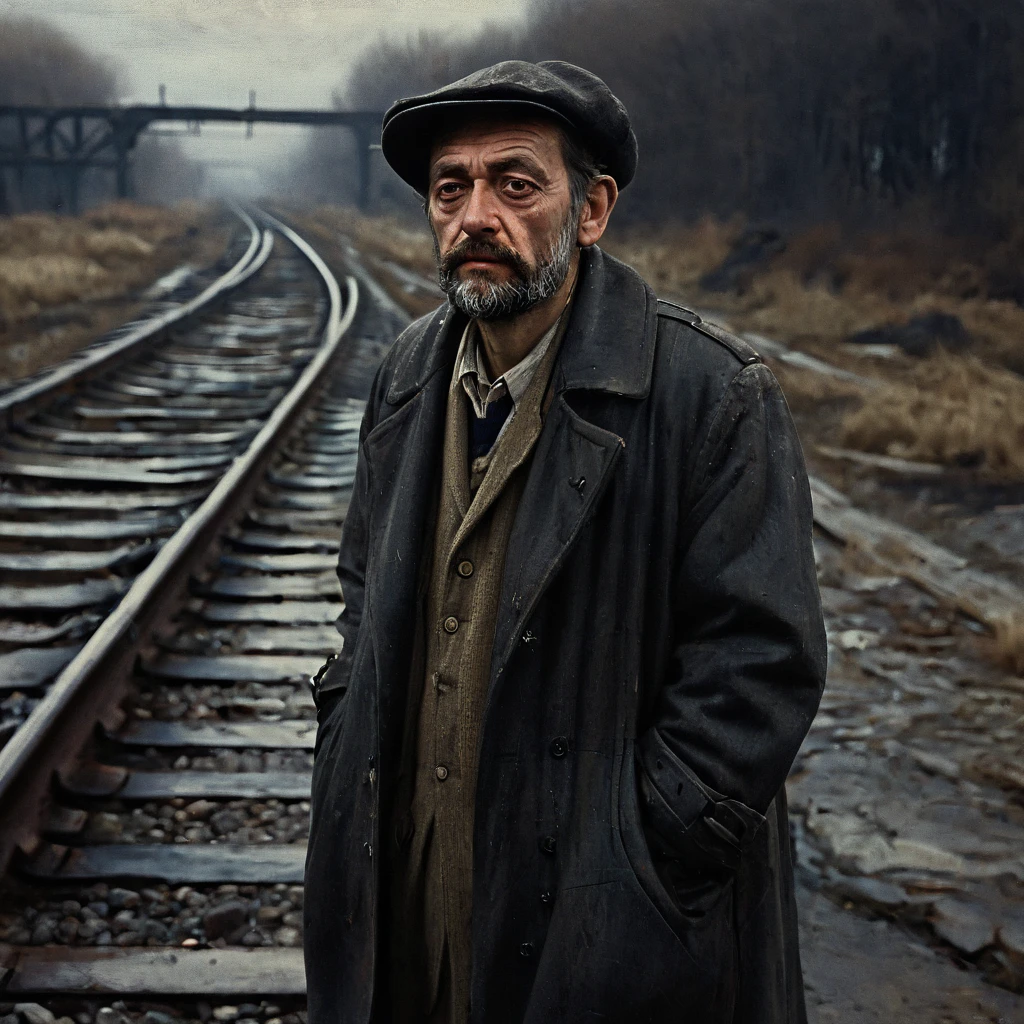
column 23, row 399
column 88, row 689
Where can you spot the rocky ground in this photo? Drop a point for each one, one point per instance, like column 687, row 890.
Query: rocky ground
column 104, row 915
column 907, row 813
column 120, row 1012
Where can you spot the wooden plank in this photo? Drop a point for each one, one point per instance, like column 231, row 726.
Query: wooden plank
column 324, row 585
column 266, row 540
column 20, row 631
column 294, row 735
column 323, row 639
column 904, row 467
column 285, row 519
column 304, row 482
column 904, row 552
column 260, row 639
column 105, row 502
column 250, row 668
column 210, row 973
column 216, row 786
column 64, row 596
column 79, row 470
column 298, row 612
column 280, row 497
column 306, row 561
column 32, row 666
column 61, row 562
column 90, row 529
column 176, row 864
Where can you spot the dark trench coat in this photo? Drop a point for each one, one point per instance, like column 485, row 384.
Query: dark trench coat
column 659, row 656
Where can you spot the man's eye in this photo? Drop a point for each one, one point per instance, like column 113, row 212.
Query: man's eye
column 518, row 187
column 449, row 189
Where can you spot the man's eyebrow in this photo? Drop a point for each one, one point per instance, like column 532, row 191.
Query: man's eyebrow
column 519, row 163
column 457, row 169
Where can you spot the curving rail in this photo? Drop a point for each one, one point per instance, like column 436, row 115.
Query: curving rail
column 90, row 686
column 43, row 387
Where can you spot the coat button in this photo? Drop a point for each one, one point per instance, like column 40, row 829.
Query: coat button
column 559, row 746
column 548, row 844
column 546, row 897
column 441, row 772
column 451, row 624
column 465, row 569
column 526, row 950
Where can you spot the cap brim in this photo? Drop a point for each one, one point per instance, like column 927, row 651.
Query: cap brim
column 408, row 136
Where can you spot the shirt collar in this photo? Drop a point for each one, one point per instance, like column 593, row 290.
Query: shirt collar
column 471, row 369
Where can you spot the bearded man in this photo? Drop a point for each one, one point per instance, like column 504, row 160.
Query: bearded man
column 582, row 634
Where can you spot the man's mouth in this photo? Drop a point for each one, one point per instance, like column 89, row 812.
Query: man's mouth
column 482, row 260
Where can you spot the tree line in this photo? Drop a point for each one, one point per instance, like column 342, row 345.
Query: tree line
column 42, row 66
column 771, row 108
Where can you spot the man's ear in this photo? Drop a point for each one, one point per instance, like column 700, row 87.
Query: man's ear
column 601, row 197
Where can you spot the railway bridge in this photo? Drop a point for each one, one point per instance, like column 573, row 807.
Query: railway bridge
column 71, row 140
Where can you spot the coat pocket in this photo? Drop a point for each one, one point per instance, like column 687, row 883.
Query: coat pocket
column 696, row 907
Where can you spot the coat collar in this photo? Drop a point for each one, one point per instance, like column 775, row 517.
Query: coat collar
column 608, row 345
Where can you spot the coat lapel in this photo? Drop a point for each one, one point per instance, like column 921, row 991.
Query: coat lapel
column 572, row 466
column 403, row 455
column 608, row 347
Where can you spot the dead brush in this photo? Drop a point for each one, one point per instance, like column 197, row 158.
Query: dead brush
column 951, row 410
column 674, row 259
column 387, row 238
column 1009, row 642
column 73, row 268
column 48, row 260
column 807, row 391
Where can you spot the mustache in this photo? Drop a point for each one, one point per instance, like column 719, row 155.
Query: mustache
column 481, row 249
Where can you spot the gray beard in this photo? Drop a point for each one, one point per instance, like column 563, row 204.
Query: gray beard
column 481, row 299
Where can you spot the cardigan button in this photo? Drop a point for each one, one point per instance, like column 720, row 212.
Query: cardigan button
column 441, row 772
column 526, row 950
column 465, row 569
column 451, row 624
column 548, row 844
column 559, row 746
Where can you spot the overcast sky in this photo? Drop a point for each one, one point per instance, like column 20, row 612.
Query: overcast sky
column 292, row 52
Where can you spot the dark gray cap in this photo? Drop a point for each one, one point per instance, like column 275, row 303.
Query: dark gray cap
column 563, row 91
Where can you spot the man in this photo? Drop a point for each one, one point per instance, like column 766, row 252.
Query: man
column 582, row 635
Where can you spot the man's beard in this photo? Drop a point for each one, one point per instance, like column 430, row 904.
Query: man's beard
column 481, row 299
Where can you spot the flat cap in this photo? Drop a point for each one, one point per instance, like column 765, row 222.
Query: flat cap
column 563, row 91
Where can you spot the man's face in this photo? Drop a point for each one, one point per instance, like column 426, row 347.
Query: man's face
column 500, row 208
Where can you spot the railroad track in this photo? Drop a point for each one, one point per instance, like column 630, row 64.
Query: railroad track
column 106, row 456
column 154, row 803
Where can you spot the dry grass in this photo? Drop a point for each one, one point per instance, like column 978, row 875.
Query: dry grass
column 951, row 410
column 386, row 238
column 73, row 271
column 823, row 288
column 1009, row 643
column 674, row 259
column 808, row 392
column 380, row 241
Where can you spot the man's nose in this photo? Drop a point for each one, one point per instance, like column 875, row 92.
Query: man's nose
column 481, row 212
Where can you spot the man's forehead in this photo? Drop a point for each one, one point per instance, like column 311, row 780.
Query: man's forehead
column 534, row 136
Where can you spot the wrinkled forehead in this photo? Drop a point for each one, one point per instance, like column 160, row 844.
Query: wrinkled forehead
column 498, row 134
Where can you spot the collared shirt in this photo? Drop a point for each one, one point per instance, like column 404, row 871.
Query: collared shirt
column 471, row 370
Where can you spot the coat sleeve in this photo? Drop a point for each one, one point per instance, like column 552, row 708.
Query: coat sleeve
column 747, row 665
column 332, row 680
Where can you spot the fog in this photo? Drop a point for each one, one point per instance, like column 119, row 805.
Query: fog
column 293, row 53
